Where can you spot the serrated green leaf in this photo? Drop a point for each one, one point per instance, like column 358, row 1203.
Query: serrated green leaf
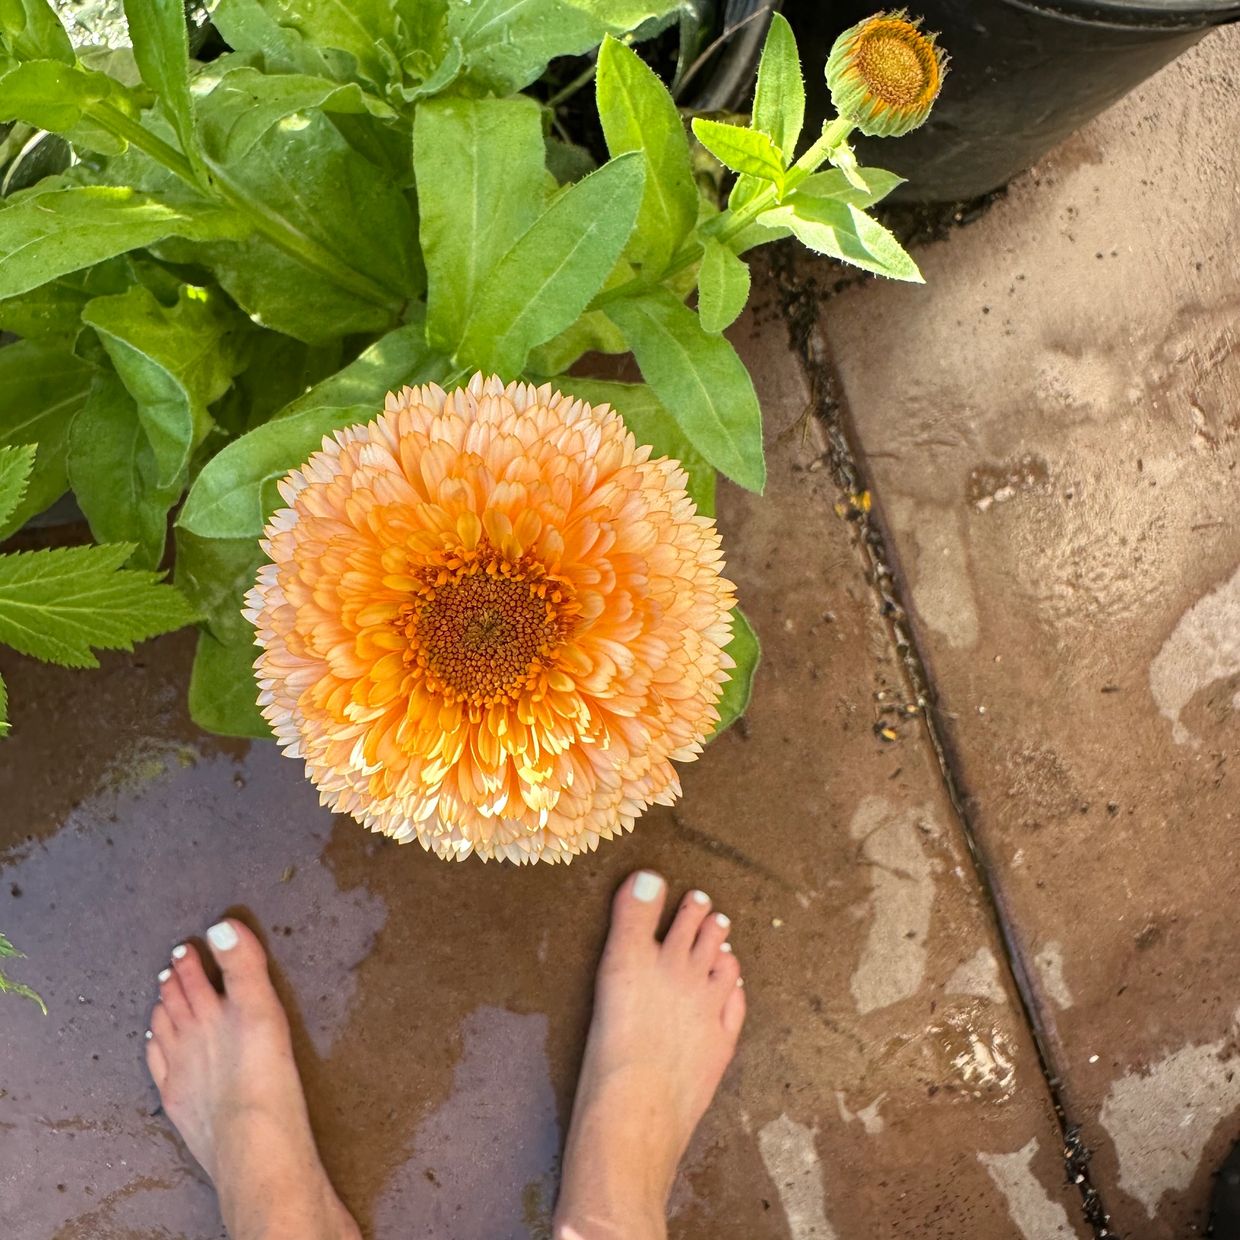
column 834, row 184
column 30, row 30
column 223, row 694
column 746, row 652
column 723, row 286
column 779, row 100
column 7, row 950
column 506, row 44
column 175, row 361
column 235, row 492
column 638, row 114
column 700, row 379
column 42, row 386
column 743, row 150
column 16, row 462
column 161, row 49
column 238, row 104
column 479, row 166
column 651, row 424
column 841, row 231
column 548, row 277
column 59, row 97
column 48, row 233
column 60, row 605
column 113, row 473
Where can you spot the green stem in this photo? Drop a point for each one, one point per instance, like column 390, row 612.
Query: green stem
column 809, row 163
column 282, row 234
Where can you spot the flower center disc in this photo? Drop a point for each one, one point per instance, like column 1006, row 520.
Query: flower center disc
column 482, row 635
column 896, row 66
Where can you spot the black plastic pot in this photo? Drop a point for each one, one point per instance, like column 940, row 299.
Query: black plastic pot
column 1023, row 77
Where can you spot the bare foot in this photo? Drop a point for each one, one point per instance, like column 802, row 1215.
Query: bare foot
column 666, row 1019
column 225, row 1071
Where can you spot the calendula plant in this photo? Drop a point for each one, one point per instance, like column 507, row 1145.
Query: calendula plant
column 247, row 255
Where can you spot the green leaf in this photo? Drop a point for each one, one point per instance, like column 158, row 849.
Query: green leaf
column 841, row 231
column 743, row 150
column 621, row 16
column 16, row 463
column 30, row 30
column 7, row 950
column 223, row 694
column 746, row 653
column 61, row 604
column 638, row 114
column 113, row 473
column 251, row 26
column 651, row 424
column 42, row 386
column 235, row 492
column 59, row 97
column 48, row 233
column 161, row 49
column 479, row 166
column 548, row 277
column 238, row 105
column 779, row 100
column 174, row 360
column 594, row 331
column 834, row 184
column 506, row 44
column 723, row 286
column 700, row 379
column 306, row 175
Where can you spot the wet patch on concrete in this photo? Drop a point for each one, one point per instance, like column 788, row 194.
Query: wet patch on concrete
column 1204, row 647
column 1036, row 1214
column 1161, row 1117
column 791, row 1160
column 485, row 1162
column 1049, row 962
column 893, row 957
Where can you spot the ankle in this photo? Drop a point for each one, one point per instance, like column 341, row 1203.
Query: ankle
column 575, row 1224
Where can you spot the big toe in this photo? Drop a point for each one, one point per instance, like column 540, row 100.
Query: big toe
column 635, row 913
column 242, row 961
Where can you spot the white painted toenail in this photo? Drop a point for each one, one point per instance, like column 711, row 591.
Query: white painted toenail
column 700, row 897
column 165, row 974
column 148, row 1035
column 722, row 922
column 222, row 937
column 180, row 951
column 740, row 981
column 725, row 947
column 647, row 886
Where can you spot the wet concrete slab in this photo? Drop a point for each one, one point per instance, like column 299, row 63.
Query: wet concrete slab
column 886, row 1084
column 1051, row 428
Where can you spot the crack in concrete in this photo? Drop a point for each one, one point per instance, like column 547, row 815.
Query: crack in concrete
column 799, row 298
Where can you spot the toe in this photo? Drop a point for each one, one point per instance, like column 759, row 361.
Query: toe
column 635, row 912
column 688, row 921
column 156, row 1062
column 162, row 1028
column 173, row 1001
column 242, row 962
column 710, row 938
column 725, row 972
column 199, row 993
column 733, row 1015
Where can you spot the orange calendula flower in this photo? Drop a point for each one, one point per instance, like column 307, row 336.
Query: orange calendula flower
column 491, row 622
column 885, row 74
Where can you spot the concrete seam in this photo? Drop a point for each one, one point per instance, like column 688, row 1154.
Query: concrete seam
column 798, row 304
